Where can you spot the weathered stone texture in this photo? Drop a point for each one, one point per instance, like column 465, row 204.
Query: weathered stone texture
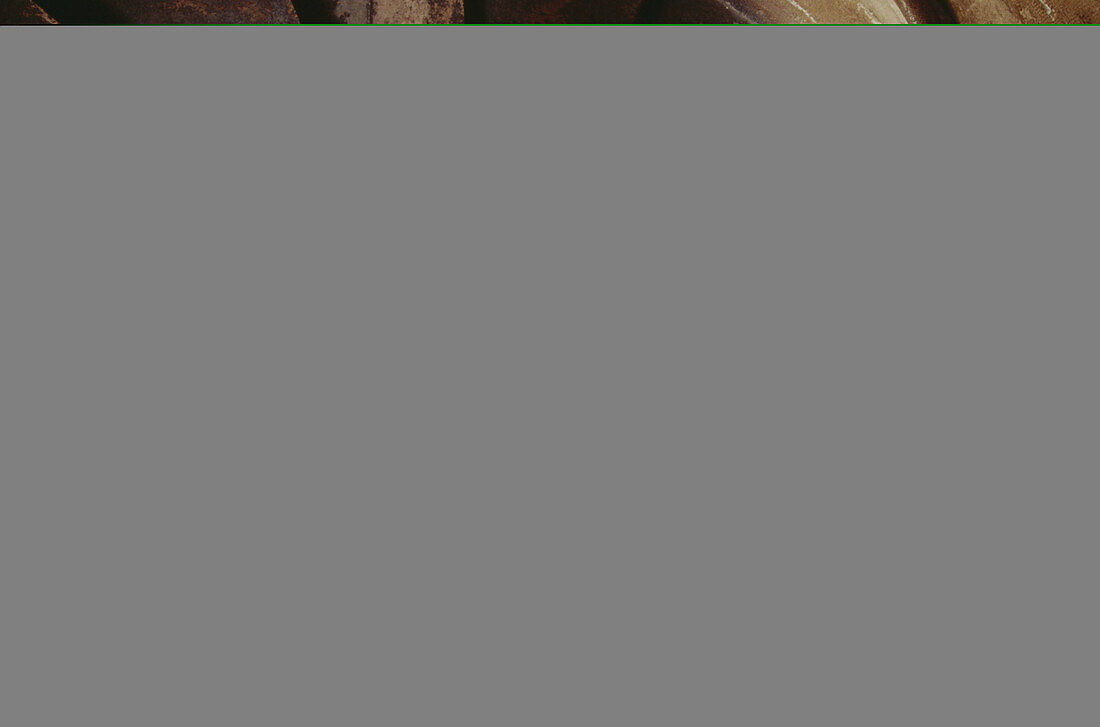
column 404, row 12
column 431, row 12
column 562, row 11
column 1027, row 11
column 204, row 11
column 23, row 12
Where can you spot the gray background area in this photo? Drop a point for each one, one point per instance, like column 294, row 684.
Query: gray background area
column 489, row 377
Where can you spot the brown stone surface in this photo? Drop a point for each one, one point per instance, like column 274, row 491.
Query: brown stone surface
column 1027, row 11
column 421, row 12
column 692, row 12
column 352, row 11
column 562, row 11
column 23, row 12
column 157, row 12
column 405, row 12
